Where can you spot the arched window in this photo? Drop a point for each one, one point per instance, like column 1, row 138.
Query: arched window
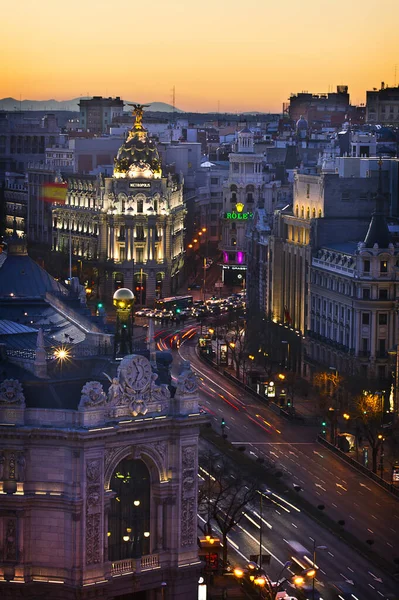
column 320, row 213
column 297, row 211
column 129, row 534
column 250, row 193
column 308, row 213
column 233, row 241
column 313, row 213
column 302, row 212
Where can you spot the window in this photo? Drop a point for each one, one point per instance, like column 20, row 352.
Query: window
column 382, row 319
column 383, row 266
column 381, row 347
column 383, row 295
column 214, row 180
column 366, row 266
column 140, row 232
column 366, row 294
column 345, row 197
column 365, row 318
column 213, row 230
column 381, row 372
column 365, row 344
column 139, row 206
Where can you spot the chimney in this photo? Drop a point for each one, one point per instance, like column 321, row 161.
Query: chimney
column 40, row 365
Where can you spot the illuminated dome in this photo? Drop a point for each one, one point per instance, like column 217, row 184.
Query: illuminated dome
column 138, row 156
column 123, row 298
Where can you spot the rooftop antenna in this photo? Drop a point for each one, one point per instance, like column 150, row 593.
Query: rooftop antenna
column 173, row 112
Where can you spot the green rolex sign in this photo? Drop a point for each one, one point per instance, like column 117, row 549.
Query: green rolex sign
column 238, row 216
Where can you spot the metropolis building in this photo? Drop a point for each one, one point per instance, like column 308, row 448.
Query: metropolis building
column 130, row 226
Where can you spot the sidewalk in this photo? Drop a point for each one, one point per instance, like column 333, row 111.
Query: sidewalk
column 225, row 586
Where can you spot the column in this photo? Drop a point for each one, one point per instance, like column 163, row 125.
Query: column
column 148, row 240
column 373, row 338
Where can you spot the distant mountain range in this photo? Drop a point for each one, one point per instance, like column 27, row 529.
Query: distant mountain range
column 72, row 105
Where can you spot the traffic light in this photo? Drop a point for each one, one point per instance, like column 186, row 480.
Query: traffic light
column 323, row 427
column 223, row 424
column 100, row 305
column 178, row 311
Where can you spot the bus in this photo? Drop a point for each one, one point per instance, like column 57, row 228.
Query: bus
column 174, row 304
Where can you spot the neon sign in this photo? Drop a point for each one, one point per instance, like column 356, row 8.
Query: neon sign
column 238, row 216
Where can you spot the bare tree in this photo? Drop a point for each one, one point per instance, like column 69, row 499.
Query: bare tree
column 369, row 412
column 224, row 495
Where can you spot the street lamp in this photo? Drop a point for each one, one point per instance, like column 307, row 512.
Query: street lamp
column 286, row 359
column 315, row 565
column 382, row 440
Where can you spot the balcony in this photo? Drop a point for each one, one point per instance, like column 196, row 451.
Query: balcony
column 135, row 565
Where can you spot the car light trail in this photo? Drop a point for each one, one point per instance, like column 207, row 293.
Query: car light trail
column 286, row 502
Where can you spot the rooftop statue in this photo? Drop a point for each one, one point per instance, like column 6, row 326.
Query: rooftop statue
column 138, row 111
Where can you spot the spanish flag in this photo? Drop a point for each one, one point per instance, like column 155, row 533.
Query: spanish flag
column 54, row 192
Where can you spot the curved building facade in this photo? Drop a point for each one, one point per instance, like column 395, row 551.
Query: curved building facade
column 129, row 226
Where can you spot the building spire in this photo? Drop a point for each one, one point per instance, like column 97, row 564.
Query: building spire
column 378, row 231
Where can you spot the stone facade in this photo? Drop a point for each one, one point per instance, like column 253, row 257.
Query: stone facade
column 57, row 472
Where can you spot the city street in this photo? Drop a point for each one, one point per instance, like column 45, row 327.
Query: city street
column 369, row 512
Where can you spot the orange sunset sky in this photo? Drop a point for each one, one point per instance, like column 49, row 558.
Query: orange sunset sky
column 236, row 55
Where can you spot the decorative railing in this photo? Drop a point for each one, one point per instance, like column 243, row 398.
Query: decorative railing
column 150, row 562
column 133, row 565
column 123, row 566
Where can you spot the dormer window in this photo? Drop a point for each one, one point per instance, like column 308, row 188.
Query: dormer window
column 383, row 266
column 366, row 266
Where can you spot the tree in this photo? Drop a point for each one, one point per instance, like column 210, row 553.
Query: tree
column 368, row 411
column 224, row 495
column 236, row 339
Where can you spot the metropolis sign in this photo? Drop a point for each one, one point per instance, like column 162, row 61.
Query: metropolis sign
column 139, row 184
